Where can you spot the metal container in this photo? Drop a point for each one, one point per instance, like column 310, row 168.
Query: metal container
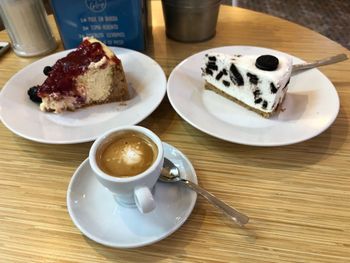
column 26, row 23
column 190, row 20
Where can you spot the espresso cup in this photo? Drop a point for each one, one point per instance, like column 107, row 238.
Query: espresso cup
column 128, row 161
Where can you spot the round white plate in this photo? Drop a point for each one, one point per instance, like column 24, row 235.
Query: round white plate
column 311, row 105
column 96, row 214
column 146, row 81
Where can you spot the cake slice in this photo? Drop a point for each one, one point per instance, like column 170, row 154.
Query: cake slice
column 258, row 83
column 89, row 75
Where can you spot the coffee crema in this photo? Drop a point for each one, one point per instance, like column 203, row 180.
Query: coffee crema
column 126, row 154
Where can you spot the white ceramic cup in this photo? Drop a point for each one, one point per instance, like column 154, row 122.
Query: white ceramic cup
column 134, row 190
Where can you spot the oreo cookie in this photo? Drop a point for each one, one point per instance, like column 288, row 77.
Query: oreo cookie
column 212, row 58
column 219, row 75
column 212, row 65
column 256, row 93
column 235, row 76
column 258, row 100
column 226, row 83
column 253, row 78
column 264, row 105
column 267, row 62
column 273, row 88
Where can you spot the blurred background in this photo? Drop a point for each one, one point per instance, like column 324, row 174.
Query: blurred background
column 330, row 18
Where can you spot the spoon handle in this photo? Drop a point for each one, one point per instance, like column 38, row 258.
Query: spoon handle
column 321, row 62
column 232, row 213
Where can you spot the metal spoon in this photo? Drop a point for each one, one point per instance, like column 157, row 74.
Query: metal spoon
column 318, row 63
column 171, row 174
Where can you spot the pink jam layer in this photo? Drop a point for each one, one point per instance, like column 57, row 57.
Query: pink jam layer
column 61, row 79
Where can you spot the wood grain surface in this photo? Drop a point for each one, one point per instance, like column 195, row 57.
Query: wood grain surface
column 297, row 196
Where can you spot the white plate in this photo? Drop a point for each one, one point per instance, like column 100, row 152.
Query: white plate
column 311, row 105
column 96, row 214
column 144, row 76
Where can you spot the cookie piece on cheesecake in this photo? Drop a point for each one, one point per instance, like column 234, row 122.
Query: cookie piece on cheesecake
column 89, row 75
column 258, row 83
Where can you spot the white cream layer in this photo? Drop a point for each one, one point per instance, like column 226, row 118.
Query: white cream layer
column 245, row 93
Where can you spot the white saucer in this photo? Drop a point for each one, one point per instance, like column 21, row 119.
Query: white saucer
column 311, row 104
column 99, row 217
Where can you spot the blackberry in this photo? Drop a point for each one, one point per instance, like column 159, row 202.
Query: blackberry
column 33, row 94
column 47, row 70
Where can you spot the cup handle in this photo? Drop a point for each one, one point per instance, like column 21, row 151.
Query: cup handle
column 144, row 199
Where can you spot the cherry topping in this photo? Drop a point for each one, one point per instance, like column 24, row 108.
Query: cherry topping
column 61, row 79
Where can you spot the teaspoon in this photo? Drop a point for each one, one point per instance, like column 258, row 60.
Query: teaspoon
column 318, row 63
column 171, row 174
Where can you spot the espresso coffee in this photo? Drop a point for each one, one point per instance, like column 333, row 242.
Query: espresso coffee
column 126, row 154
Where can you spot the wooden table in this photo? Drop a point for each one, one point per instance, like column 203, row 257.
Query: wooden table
column 297, row 196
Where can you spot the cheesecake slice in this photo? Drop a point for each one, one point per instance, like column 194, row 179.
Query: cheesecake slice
column 259, row 83
column 89, row 75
